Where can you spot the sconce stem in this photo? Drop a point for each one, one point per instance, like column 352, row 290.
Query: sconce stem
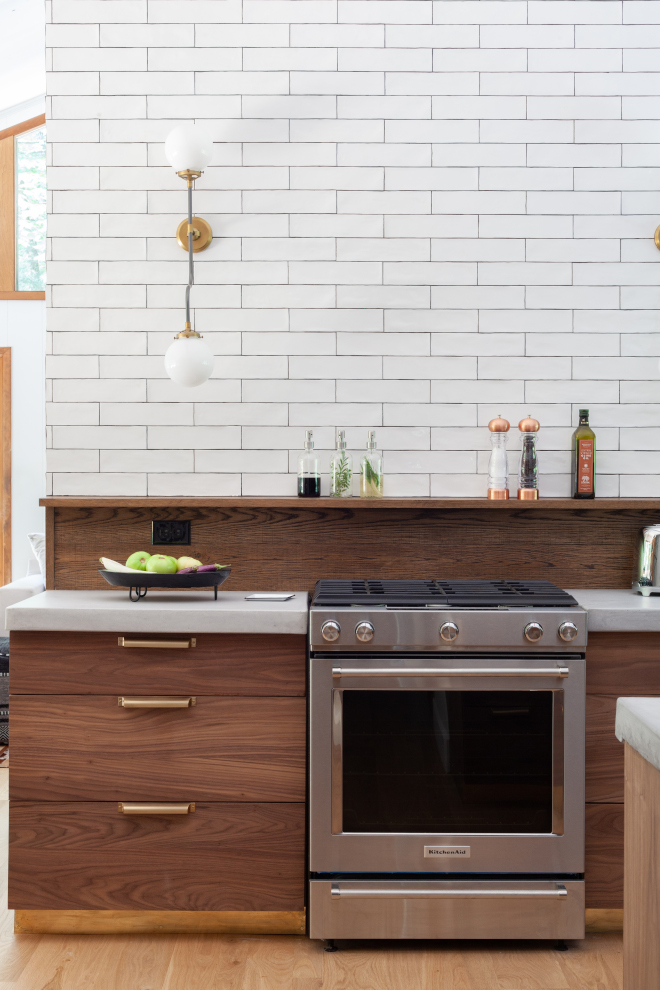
column 191, row 271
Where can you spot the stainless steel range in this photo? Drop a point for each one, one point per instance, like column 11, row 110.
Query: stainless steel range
column 446, row 760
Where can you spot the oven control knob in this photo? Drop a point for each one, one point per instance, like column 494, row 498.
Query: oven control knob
column 568, row 631
column 364, row 631
column 448, row 631
column 330, row 631
column 533, row 631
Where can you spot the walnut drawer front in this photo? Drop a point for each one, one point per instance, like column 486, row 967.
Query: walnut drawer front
column 95, row 663
column 223, row 857
column 83, row 748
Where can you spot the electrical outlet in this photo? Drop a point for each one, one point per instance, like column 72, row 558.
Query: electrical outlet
column 170, row 531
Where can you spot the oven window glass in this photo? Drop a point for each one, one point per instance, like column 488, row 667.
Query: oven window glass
column 447, row 761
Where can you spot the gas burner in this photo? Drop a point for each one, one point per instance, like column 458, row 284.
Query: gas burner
column 438, row 593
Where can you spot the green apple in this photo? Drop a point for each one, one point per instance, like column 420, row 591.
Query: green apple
column 138, row 560
column 159, row 563
column 187, row 562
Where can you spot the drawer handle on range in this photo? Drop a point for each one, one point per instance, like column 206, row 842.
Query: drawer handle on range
column 336, row 891
column 158, row 644
column 156, row 702
column 140, row 808
column 450, row 672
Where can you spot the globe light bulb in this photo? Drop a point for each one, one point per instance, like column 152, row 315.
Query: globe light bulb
column 188, row 361
column 188, row 146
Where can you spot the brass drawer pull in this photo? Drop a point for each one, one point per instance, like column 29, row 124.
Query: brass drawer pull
column 156, row 702
column 158, row 644
column 141, row 808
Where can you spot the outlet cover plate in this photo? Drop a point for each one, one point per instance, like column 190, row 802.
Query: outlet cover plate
column 170, row 531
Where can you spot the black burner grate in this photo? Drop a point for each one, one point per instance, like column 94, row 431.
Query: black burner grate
column 460, row 594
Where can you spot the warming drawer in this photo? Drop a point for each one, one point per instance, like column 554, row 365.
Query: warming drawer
column 543, row 909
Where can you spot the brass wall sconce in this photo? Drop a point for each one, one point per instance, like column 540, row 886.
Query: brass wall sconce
column 188, row 361
column 656, row 238
column 202, row 234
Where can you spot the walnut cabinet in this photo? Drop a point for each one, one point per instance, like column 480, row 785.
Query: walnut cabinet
column 163, row 778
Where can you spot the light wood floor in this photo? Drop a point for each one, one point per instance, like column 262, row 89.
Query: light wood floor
column 226, row 962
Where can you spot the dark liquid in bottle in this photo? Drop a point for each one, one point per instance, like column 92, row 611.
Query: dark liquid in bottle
column 309, row 487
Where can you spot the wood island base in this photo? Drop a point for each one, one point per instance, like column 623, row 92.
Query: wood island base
column 159, row 922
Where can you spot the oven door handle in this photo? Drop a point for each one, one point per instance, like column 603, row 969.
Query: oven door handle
column 450, row 672
column 337, row 891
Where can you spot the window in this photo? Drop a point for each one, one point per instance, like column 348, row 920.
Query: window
column 23, row 210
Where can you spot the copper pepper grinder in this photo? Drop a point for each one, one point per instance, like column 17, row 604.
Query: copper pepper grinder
column 498, row 466
column 528, row 481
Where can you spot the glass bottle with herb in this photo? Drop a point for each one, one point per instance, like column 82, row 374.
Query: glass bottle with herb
column 583, row 459
column 309, row 470
column 341, row 469
column 371, row 470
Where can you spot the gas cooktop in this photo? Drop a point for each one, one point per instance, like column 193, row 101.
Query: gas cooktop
column 456, row 594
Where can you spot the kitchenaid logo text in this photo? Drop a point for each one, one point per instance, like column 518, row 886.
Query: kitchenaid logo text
column 430, row 851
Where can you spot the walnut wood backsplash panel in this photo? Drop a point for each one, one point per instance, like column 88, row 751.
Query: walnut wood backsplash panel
column 290, row 545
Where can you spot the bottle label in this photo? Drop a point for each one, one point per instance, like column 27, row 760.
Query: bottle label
column 585, row 466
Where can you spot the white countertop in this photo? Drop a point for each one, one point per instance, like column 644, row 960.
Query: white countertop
column 619, row 610
column 159, row 612
column 638, row 724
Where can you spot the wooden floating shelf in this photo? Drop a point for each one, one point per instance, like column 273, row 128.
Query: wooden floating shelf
column 271, row 502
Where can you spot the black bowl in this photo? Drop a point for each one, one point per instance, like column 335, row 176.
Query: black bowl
column 143, row 580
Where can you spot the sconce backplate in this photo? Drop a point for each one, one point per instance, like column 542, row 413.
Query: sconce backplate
column 202, row 236
column 656, row 238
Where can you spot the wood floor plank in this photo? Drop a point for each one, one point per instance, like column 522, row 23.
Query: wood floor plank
column 449, row 971
column 308, row 964
column 384, row 965
column 207, row 962
column 15, row 953
column 225, row 962
column 269, row 965
column 94, row 962
column 596, row 963
column 530, row 967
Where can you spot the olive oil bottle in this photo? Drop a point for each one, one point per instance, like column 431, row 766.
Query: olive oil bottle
column 583, row 467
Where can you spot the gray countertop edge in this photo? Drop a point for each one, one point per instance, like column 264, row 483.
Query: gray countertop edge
column 638, row 724
column 619, row 609
column 111, row 611
column 610, row 610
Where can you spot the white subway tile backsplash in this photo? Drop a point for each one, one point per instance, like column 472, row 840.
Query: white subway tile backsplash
column 385, row 11
column 383, row 296
column 445, row 320
column 69, row 60
column 216, row 484
column 479, row 344
column 382, row 249
column 72, row 35
column 372, row 391
column 108, row 484
column 424, row 211
column 98, row 11
column 85, row 107
column 164, row 461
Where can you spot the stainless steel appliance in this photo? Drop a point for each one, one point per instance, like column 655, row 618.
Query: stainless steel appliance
column 646, row 578
column 446, row 760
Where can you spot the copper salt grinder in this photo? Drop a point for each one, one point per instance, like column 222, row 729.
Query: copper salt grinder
column 498, row 466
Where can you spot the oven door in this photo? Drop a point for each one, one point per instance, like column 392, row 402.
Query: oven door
column 447, row 764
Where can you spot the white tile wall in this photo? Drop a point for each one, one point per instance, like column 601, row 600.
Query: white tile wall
column 425, row 213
